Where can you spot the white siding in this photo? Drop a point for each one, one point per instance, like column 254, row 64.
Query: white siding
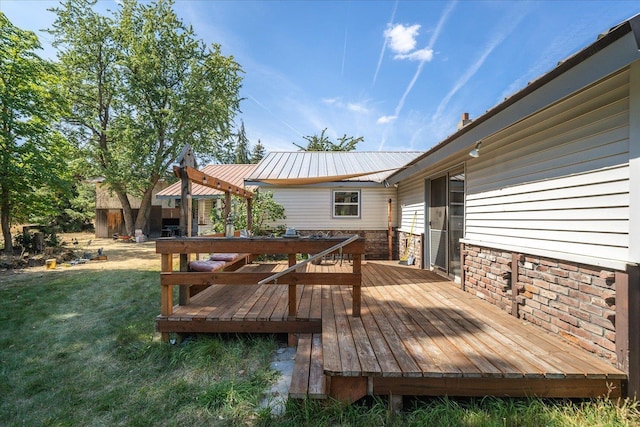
column 309, row 208
column 558, row 181
column 412, row 205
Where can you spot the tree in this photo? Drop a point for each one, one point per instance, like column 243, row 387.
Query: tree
column 142, row 87
column 32, row 151
column 242, row 152
column 264, row 209
column 323, row 143
column 258, row 153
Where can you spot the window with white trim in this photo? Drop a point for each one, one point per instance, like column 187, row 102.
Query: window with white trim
column 346, row 204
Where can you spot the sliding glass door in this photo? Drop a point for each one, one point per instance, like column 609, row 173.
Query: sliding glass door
column 446, row 221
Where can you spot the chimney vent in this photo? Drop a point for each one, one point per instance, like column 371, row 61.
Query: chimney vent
column 464, row 121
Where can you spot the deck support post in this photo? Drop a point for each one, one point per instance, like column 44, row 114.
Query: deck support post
column 348, row 389
column 395, row 403
column 463, row 260
column 628, row 327
column 184, row 296
column 293, row 301
column 357, row 291
column 166, row 292
column 293, row 297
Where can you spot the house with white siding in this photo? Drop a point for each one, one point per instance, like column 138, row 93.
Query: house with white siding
column 534, row 206
column 336, row 193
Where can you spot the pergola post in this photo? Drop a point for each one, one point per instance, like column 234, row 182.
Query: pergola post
column 186, row 160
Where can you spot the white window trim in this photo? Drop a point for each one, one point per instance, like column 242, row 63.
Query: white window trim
column 333, row 204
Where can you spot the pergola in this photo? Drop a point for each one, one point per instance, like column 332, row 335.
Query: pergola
column 188, row 173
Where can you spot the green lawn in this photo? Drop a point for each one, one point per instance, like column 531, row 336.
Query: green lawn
column 78, row 347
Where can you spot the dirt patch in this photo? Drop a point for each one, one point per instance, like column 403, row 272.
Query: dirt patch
column 119, row 255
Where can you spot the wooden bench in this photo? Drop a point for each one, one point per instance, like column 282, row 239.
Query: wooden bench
column 218, row 262
column 308, row 379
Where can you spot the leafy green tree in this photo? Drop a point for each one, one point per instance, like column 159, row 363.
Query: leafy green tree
column 323, row 143
column 32, row 150
column 258, row 153
column 264, row 209
column 142, row 86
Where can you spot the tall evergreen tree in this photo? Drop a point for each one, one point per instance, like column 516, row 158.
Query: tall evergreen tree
column 258, row 152
column 242, row 153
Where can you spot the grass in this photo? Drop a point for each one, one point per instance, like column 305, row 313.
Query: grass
column 79, row 348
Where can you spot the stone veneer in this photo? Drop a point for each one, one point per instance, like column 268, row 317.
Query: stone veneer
column 575, row 301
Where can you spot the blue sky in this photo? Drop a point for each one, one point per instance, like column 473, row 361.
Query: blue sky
column 398, row 73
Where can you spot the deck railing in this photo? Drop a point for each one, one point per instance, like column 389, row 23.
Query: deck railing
column 184, row 246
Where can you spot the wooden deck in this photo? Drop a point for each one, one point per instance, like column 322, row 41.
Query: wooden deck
column 418, row 334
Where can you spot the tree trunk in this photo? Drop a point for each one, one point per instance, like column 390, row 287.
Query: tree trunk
column 145, row 207
column 127, row 211
column 6, row 227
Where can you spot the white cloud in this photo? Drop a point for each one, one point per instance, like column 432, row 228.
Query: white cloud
column 330, row 101
column 384, row 45
column 402, row 39
column 422, row 55
column 358, row 108
column 386, row 119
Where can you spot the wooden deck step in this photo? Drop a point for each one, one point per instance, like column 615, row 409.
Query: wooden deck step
column 308, row 379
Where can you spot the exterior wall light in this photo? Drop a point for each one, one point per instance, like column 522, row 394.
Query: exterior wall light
column 476, row 151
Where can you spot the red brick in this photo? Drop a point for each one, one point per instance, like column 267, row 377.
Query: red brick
column 548, row 294
column 548, row 262
column 549, row 277
column 542, row 300
column 567, row 266
column 589, row 308
column 610, row 335
column 559, row 272
column 569, row 337
column 601, row 283
column 594, row 329
column 569, row 283
column 584, row 278
column 541, row 284
column 562, row 290
column 579, row 332
column 524, row 279
column 603, row 322
column 579, row 314
column 605, row 343
column 571, row 302
column 584, row 269
column 560, row 323
column 591, row 290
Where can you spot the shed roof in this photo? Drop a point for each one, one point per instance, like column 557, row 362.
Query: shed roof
column 233, row 174
column 313, row 167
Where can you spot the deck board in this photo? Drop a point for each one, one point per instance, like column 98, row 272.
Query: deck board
column 418, row 334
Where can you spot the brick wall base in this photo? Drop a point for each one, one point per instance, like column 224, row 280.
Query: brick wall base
column 575, row 301
column 414, row 243
column 376, row 243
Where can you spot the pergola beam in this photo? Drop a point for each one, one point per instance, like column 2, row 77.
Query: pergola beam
column 202, row 178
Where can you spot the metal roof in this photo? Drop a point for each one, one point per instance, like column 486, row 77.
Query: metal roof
column 312, row 167
column 233, row 174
